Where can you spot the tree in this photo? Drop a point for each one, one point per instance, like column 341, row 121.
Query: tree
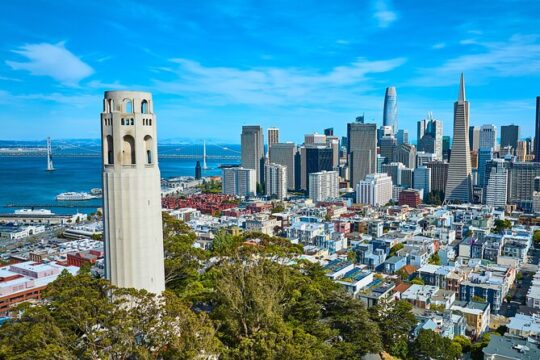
column 394, row 249
column 417, row 281
column 501, row 225
column 536, row 238
column 477, row 298
column 464, row 342
column 435, row 259
column 430, row 345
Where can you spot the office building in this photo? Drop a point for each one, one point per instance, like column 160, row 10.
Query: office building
column 409, row 197
column 402, row 137
column 422, row 158
column 406, row 178
column 496, row 185
column 382, row 132
column 131, row 192
column 375, row 190
column 430, row 136
column 332, row 142
column 284, row 154
column 390, row 111
column 314, row 139
column 488, row 136
column 510, row 137
column 329, row 132
column 318, row 158
column 239, row 181
column 521, row 183
column 474, row 138
column 405, row 154
column 273, row 136
column 439, row 175
column 484, row 155
column 387, row 146
column 537, row 132
column 362, row 147
column 459, row 184
column 446, row 147
column 198, row 170
column 276, row 180
column 252, row 142
column 422, row 179
column 323, row 185
column 394, row 171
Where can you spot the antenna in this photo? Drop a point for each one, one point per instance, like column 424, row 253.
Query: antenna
column 205, row 167
column 50, row 165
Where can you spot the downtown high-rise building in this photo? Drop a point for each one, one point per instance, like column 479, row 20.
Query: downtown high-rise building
column 488, row 137
column 273, row 136
column 239, row 181
column 394, row 171
column 285, row 154
column 252, row 143
column 446, row 147
column 362, row 148
column 387, row 145
column 430, row 136
column 276, row 180
column 422, row 180
column 317, row 158
column 323, row 185
column 459, row 183
column 474, row 138
column 521, row 183
column 510, row 137
column 402, row 136
column 537, row 132
column 406, row 154
column 439, row 175
column 496, row 184
column 374, row 190
column 484, row 155
column 390, row 111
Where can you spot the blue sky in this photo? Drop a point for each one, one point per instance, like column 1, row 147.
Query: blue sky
column 299, row 65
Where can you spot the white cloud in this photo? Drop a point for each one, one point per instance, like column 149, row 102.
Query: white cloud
column 440, row 45
column 384, row 14
column 52, row 60
column 272, row 86
column 518, row 56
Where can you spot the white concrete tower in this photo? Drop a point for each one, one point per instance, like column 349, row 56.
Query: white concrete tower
column 131, row 192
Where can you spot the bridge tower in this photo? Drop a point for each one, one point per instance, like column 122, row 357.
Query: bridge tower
column 50, row 165
column 131, row 192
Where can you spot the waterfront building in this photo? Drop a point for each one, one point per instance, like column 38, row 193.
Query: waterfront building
column 488, row 136
column 323, row 185
column 439, row 175
column 239, row 181
column 459, row 184
column 362, row 147
column 510, row 136
column 375, row 190
column 474, row 138
column 496, row 183
column 537, row 132
column 276, row 180
column 284, row 154
column 131, row 192
column 252, row 143
column 273, row 137
column 390, row 111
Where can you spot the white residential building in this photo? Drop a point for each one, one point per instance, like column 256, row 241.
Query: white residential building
column 323, row 185
column 239, row 181
column 276, row 180
column 375, row 190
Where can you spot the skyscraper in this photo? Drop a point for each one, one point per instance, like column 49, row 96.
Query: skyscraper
column 252, row 142
column 488, row 136
column 537, row 132
column 276, row 180
column 402, row 136
column 405, row 154
column 284, row 154
column 131, row 192
column 510, row 136
column 198, row 170
column 318, row 158
column 329, row 132
column 446, row 148
column 484, row 155
column 362, row 148
column 387, row 146
column 439, row 175
column 496, row 183
column 459, row 184
column 273, row 137
column 390, row 111
column 430, row 138
column 521, row 183
column 422, row 180
column 375, row 190
column 474, row 138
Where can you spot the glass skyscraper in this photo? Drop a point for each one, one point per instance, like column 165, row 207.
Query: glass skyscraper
column 390, row 111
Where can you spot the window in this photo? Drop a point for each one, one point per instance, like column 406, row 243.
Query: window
column 123, row 121
column 149, row 146
column 109, row 150
column 128, row 106
column 132, row 122
column 128, row 151
column 111, row 105
column 144, row 107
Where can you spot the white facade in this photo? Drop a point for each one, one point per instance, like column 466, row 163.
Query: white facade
column 375, row 190
column 323, row 185
column 488, row 137
column 422, row 179
column 497, row 185
column 239, row 181
column 131, row 192
column 276, row 180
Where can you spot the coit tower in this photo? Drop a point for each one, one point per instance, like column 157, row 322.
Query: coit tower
column 131, row 192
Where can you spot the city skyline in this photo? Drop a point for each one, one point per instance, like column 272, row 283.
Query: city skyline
column 265, row 74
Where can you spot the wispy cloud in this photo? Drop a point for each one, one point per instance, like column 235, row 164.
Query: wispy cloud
column 384, row 14
column 52, row 60
column 518, row 56
column 440, row 45
column 271, row 85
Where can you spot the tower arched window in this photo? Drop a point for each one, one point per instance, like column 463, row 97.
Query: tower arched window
column 122, row 121
column 111, row 105
column 132, row 122
column 149, row 147
column 144, row 107
column 128, row 151
column 109, row 150
column 128, row 106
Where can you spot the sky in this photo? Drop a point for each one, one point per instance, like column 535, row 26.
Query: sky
column 301, row 66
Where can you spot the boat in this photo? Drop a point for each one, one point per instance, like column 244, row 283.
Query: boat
column 96, row 192
column 74, row 196
column 33, row 212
